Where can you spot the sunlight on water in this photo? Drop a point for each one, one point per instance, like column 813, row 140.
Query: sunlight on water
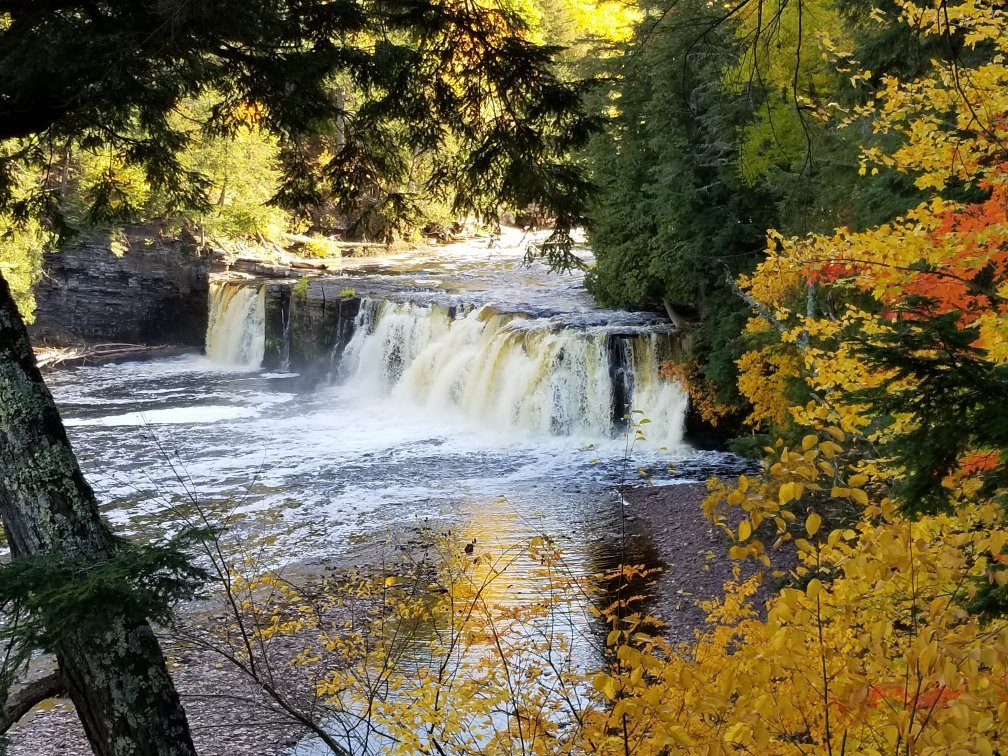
column 236, row 332
column 433, row 412
column 494, row 422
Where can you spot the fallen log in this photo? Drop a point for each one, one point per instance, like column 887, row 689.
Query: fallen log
column 338, row 243
column 99, row 354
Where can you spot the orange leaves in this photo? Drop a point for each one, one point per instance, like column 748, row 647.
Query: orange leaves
column 940, row 258
column 979, row 462
column 700, row 391
column 894, row 694
column 829, row 272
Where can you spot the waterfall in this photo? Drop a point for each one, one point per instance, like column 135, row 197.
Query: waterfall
column 661, row 401
column 510, row 371
column 236, row 328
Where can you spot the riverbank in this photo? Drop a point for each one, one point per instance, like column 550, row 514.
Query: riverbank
column 60, row 357
column 230, row 716
column 693, row 554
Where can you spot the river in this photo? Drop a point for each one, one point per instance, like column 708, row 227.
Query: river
column 470, row 392
column 431, row 413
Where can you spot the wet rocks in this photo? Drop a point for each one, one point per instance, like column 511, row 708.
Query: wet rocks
column 308, row 325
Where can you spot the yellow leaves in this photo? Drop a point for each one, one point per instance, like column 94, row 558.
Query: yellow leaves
column 854, row 494
column 830, row 449
column 764, row 378
column 744, row 530
column 812, row 523
column 813, row 589
column 926, row 658
column 605, row 685
column 997, row 540
column 740, row 733
column 790, row 492
column 738, row 552
column 677, row 736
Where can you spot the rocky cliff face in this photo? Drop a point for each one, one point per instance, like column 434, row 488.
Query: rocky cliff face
column 308, row 328
column 154, row 292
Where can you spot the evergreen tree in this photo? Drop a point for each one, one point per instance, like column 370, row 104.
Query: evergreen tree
column 427, row 73
column 673, row 218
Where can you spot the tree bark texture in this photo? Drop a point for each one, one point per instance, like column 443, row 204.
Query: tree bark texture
column 113, row 666
column 21, row 701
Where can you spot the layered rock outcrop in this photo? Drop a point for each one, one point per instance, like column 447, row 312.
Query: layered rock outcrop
column 149, row 290
column 307, row 328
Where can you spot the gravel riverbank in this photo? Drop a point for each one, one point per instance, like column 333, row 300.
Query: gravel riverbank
column 692, row 553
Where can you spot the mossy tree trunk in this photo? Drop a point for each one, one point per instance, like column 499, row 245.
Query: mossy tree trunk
column 112, row 663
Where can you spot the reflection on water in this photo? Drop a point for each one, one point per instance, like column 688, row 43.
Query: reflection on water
column 328, row 464
column 330, row 473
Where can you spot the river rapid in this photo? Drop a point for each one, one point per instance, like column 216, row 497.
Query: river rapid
column 412, row 425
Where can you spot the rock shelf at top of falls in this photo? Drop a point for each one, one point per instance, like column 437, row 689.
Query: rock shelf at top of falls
column 485, row 271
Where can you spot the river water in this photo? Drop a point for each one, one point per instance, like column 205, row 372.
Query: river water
column 475, row 394
column 321, row 465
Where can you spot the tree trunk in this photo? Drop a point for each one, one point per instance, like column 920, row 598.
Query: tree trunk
column 112, row 664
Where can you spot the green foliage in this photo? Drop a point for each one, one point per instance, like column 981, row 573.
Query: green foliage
column 21, row 246
column 673, row 217
column 782, row 71
column 728, row 124
column 938, row 374
column 242, row 171
column 353, row 94
column 319, row 246
column 52, row 596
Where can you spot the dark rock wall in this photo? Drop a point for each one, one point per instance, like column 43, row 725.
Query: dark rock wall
column 308, row 329
column 154, row 293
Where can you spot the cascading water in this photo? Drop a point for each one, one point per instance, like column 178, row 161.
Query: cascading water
column 661, row 401
column 512, row 371
column 236, row 327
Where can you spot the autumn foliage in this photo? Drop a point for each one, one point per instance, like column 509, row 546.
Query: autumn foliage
column 888, row 475
column 878, row 369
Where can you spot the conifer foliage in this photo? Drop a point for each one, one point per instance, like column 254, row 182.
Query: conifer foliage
column 428, row 74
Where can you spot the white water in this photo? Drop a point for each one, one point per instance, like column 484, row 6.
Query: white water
column 508, row 372
column 472, row 418
column 320, row 468
column 236, row 329
column 471, row 333
column 430, row 407
column 661, row 401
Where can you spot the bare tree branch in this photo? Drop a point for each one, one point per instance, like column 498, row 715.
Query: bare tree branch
column 27, row 697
